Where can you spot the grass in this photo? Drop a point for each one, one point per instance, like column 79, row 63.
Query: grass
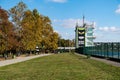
column 60, row 67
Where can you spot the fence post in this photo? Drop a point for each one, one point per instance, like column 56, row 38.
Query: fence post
column 101, row 49
column 118, row 50
column 107, row 49
column 112, row 50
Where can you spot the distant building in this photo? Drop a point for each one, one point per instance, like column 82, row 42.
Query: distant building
column 84, row 35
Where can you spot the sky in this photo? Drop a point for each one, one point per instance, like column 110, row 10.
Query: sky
column 64, row 15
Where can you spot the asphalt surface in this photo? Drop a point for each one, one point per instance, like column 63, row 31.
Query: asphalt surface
column 113, row 63
column 20, row 59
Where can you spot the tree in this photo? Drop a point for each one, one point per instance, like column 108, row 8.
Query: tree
column 3, row 29
column 7, row 35
column 17, row 13
column 28, row 24
column 53, row 41
column 38, row 31
column 33, row 29
column 65, row 42
column 49, row 37
column 38, row 27
column 27, row 30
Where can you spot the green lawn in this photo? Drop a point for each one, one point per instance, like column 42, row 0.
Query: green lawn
column 60, row 67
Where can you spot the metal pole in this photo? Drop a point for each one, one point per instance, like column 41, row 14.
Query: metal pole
column 118, row 50
column 107, row 50
column 112, row 50
column 101, row 49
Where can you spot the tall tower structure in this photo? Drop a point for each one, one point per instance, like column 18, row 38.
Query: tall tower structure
column 79, row 36
column 84, row 35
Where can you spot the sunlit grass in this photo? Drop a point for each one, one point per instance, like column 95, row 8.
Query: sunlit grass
column 60, row 67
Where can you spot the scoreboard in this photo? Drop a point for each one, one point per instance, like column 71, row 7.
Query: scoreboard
column 81, row 37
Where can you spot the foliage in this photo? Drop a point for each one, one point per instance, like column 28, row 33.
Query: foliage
column 17, row 13
column 27, row 30
column 38, row 31
column 49, row 37
column 65, row 42
column 27, row 26
column 7, row 34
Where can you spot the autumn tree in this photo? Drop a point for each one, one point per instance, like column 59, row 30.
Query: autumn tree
column 28, row 24
column 38, row 31
column 49, row 37
column 53, row 41
column 3, row 29
column 17, row 13
column 38, row 27
column 33, row 29
column 7, row 35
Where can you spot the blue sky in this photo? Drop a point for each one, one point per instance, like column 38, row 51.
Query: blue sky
column 65, row 13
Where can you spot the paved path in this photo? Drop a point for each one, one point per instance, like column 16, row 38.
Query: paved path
column 20, row 59
column 117, row 64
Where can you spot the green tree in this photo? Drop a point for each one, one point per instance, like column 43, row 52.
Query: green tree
column 65, row 42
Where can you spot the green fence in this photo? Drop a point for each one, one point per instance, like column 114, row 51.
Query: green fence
column 108, row 50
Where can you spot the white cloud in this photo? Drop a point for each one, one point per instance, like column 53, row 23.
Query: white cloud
column 109, row 29
column 56, row 31
column 118, row 9
column 69, row 23
column 107, row 37
column 58, row 1
column 107, row 34
column 104, row 28
column 113, row 29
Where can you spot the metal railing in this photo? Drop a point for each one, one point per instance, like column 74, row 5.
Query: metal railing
column 107, row 50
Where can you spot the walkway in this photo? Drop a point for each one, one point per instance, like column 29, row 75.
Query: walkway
column 117, row 64
column 20, row 59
